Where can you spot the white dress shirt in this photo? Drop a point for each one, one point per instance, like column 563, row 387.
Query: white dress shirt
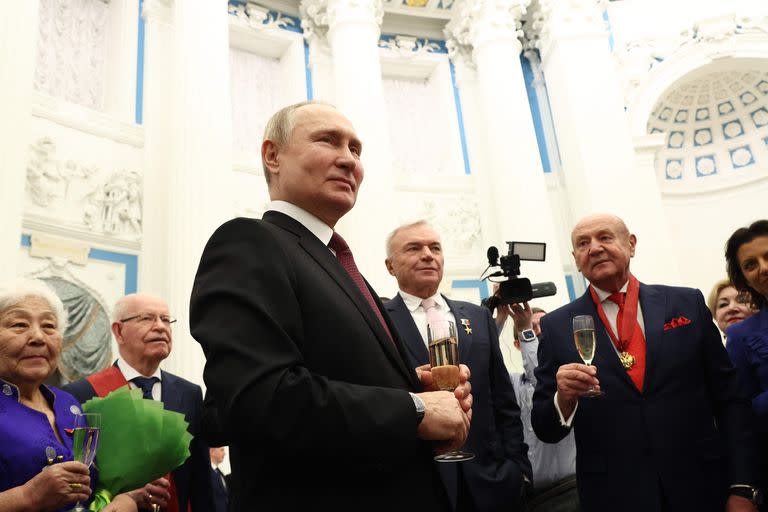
column 129, row 373
column 317, row 227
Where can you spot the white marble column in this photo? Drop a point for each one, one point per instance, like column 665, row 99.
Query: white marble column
column 18, row 39
column 189, row 161
column 598, row 155
column 474, row 123
column 490, row 30
column 351, row 29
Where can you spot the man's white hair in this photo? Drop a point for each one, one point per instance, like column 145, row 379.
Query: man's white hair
column 16, row 291
column 388, row 247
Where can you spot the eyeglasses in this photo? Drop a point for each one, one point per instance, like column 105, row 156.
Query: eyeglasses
column 150, row 319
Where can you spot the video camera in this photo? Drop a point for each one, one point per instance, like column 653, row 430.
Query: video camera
column 517, row 289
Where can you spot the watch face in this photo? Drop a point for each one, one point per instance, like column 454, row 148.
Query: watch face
column 528, row 335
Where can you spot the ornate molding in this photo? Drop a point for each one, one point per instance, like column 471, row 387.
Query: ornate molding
column 408, row 47
column 254, row 16
column 320, row 16
column 480, row 22
column 715, row 36
column 550, row 19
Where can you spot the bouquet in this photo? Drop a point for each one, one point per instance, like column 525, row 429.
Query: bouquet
column 139, row 442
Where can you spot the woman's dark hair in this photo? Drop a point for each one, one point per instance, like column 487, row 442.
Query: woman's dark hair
column 740, row 237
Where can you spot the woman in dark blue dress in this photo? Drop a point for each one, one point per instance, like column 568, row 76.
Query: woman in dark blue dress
column 746, row 254
column 37, row 470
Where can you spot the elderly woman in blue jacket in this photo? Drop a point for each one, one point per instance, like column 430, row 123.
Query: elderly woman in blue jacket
column 37, row 470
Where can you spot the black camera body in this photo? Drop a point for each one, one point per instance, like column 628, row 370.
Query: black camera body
column 517, row 289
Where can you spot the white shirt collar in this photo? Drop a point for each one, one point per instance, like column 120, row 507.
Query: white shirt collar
column 130, row 373
column 317, row 227
column 413, row 302
column 603, row 295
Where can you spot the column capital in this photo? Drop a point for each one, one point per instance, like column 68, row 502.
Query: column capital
column 563, row 19
column 477, row 23
column 318, row 17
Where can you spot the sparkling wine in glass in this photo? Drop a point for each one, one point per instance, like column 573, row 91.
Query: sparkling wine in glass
column 584, row 337
column 85, row 440
column 444, row 360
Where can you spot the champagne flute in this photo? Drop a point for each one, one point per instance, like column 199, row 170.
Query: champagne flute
column 85, row 440
column 584, row 337
column 444, row 360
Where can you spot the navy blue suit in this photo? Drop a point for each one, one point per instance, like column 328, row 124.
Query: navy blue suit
column 220, row 492
column 680, row 443
column 494, row 479
column 193, row 485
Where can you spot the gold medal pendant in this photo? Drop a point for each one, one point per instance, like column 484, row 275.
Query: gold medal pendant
column 627, row 360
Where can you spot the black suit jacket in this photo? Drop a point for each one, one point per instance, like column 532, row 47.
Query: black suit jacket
column 312, row 392
column 193, row 485
column 681, row 442
column 494, row 479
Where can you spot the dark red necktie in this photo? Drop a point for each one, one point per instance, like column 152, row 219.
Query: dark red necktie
column 631, row 340
column 344, row 255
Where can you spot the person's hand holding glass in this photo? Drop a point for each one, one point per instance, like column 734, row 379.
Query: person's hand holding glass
column 85, row 440
column 445, row 371
column 584, row 337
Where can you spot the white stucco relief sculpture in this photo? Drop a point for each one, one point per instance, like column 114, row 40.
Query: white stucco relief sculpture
column 457, row 219
column 72, row 50
column 115, row 206
column 83, row 195
column 409, row 47
column 259, row 18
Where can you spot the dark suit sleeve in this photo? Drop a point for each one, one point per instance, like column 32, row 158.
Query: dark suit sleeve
column 544, row 416
column 506, row 409
column 212, row 427
column 200, row 493
column 81, row 389
column 739, row 352
column 248, row 309
column 731, row 407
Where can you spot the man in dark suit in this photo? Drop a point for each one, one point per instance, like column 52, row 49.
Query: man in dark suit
column 672, row 431
column 142, row 327
column 218, row 480
column 303, row 363
column 494, row 480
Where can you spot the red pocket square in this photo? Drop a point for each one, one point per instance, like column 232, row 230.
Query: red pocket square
column 676, row 322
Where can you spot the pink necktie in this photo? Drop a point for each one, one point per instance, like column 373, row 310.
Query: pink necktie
column 430, row 308
column 344, row 255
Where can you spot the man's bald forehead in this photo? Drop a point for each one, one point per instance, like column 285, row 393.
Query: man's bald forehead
column 605, row 219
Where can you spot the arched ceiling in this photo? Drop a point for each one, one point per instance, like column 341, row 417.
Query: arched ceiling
column 716, row 125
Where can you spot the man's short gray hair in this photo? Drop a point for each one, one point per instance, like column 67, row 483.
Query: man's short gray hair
column 280, row 126
column 391, row 236
column 15, row 291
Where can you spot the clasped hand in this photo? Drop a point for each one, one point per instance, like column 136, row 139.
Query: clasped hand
column 447, row 415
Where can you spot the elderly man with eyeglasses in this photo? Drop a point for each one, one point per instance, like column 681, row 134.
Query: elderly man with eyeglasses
column 142, row 324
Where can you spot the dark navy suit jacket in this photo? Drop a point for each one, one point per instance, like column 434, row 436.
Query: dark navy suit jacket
column 494, row 479
column 677, row 445
column 193, row 484
column 220, row 492
column 748, row 347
